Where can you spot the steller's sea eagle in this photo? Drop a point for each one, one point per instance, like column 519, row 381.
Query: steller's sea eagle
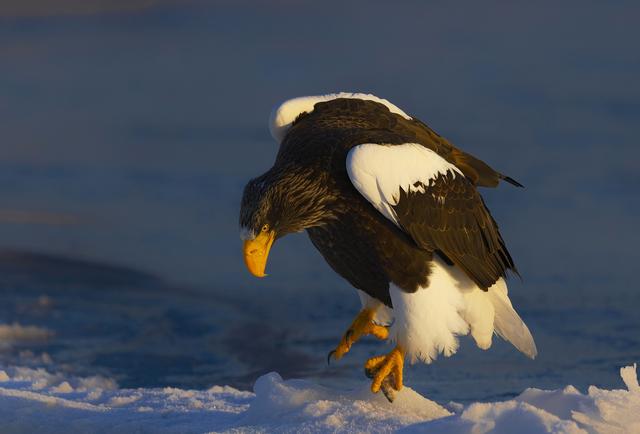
column 394, row 209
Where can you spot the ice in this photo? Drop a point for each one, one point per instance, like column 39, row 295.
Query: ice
column 36, row 400
column 10, row 333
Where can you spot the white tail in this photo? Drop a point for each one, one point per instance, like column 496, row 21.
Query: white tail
column 428, row 322
column 507, row 323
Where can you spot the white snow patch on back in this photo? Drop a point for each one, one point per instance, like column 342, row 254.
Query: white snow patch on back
column 379, row 171
column 283, row 115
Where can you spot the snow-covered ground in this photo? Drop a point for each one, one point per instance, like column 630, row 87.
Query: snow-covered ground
column 93, row 348
column 35, row 400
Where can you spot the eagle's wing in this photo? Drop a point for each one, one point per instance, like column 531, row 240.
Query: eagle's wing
column 432, row 201
column 383, row 120
column 479, row 172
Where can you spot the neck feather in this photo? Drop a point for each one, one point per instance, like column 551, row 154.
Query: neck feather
column 301, row 198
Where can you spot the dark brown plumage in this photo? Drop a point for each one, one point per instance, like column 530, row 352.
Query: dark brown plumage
column 394, row 209
column 449, row 218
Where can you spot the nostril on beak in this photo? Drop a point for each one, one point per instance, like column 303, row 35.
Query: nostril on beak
column 253, row 251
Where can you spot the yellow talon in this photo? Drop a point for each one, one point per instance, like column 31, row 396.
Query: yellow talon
column 386, row 369
column 362, row 325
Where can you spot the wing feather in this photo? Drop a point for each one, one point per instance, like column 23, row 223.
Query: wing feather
column 434, row 203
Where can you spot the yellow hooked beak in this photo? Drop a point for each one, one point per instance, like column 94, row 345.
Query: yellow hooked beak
column 256, row 252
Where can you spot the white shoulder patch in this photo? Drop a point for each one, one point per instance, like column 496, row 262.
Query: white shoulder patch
column 379, row 171
column 283, row 115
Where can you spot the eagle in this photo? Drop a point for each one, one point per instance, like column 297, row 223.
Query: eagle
column 394, row 208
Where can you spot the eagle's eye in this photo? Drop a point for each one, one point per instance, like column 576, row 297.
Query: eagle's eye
column 265, row 228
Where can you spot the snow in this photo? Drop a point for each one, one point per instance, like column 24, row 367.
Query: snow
column 35, row 400
column 10, row 333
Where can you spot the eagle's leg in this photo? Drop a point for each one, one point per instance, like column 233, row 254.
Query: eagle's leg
column 386, row 372
column 362, row 325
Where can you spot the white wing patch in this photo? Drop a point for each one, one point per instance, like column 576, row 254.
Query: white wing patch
column 283, row 115
column 379, row 171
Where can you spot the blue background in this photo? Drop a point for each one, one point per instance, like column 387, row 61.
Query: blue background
column 130, row 128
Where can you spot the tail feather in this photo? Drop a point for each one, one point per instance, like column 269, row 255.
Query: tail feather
column 508, row 324
column 511, row 181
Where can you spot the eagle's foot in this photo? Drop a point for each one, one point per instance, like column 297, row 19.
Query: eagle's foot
column 362, row 325
column 386, row 372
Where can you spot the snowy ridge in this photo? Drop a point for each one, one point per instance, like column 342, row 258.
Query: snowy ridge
column 34, row 400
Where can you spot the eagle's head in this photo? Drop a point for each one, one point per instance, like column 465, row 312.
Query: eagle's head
column 259, row 222
column 276, row 204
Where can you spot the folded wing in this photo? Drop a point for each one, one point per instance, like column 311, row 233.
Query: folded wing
column 432, row 201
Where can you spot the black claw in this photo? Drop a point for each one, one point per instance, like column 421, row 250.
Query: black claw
column 331, row 353
column 388, row 390
column 371, row 373
column 347, row 335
